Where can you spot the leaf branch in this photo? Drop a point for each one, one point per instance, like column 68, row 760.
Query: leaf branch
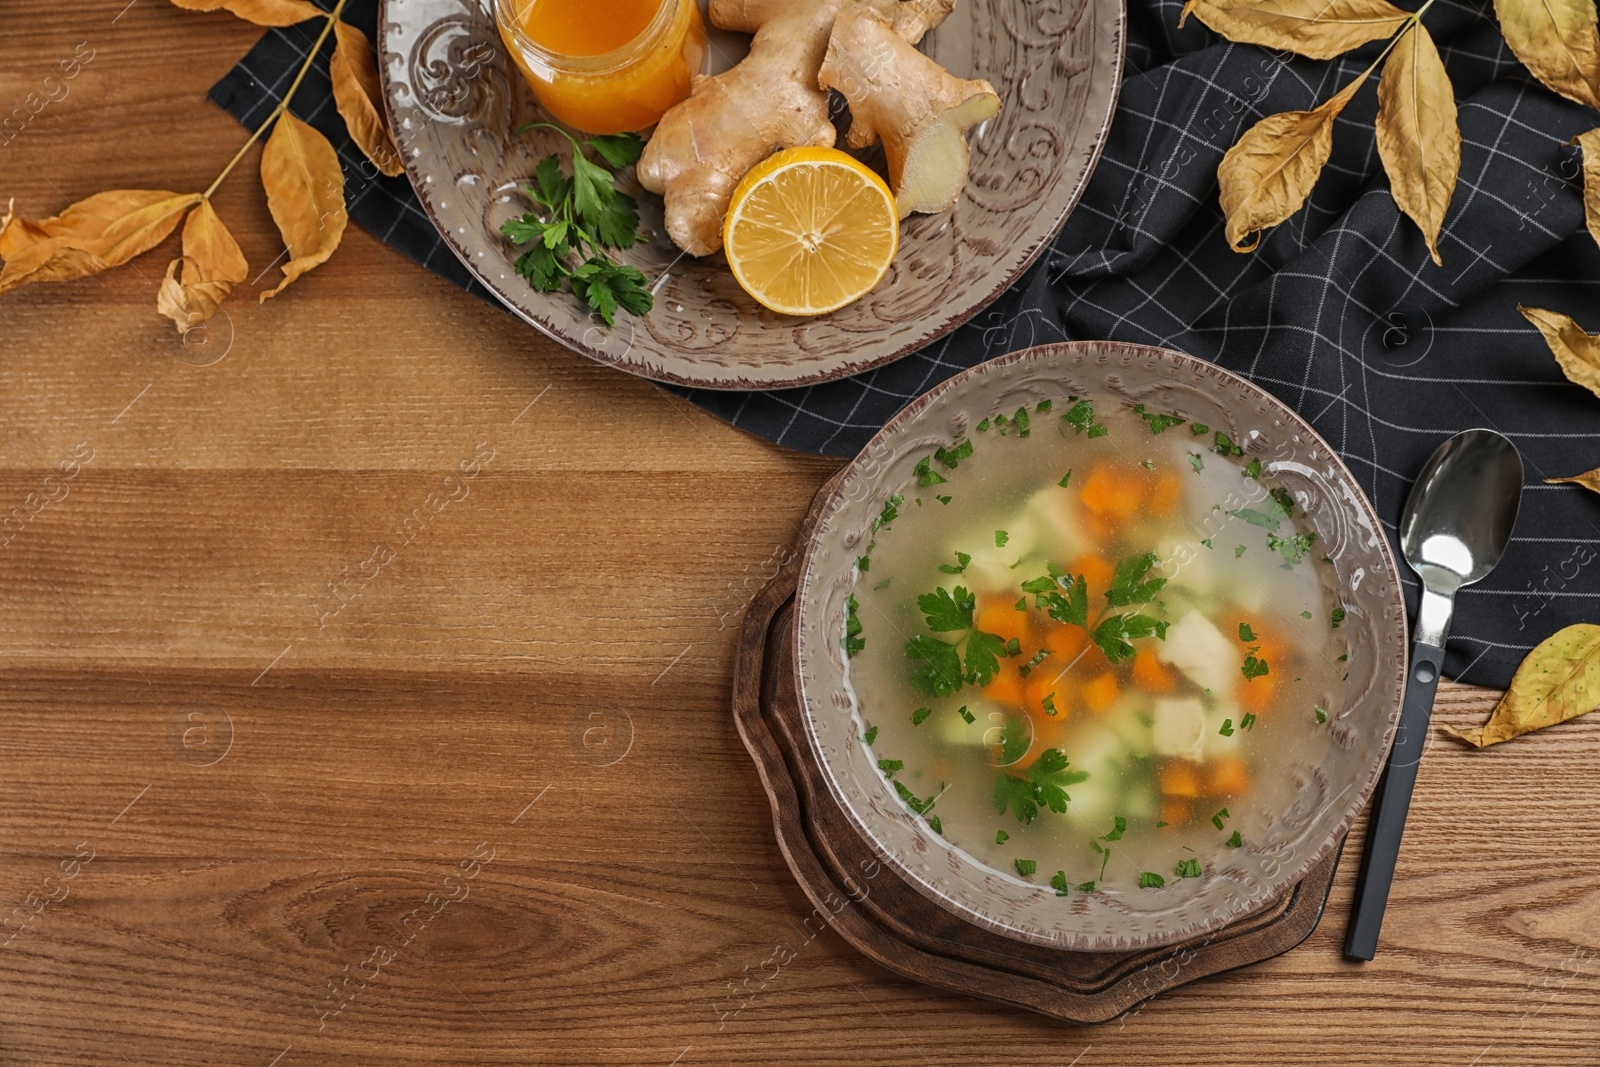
column 1269, row 173
column 327, row 27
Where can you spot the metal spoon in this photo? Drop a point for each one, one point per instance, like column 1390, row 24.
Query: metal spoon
column 1455, row 527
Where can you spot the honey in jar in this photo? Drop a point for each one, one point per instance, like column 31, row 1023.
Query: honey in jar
column 605, row 66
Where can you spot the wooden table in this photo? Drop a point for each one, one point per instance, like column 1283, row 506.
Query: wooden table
column 485, row 803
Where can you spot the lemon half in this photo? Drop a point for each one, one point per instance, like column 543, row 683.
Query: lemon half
column 810, row 230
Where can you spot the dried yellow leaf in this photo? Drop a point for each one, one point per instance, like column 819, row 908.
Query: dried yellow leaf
column 359, row 97
column 1559, row 680
column 1317, row 29
column 260, row 12
column 1590, row 143
column 1558, row 42
column 1267, row 176
column 1576, row 351
column 1590, row 480
column 305, row 193
column 102, row 231
column 1418, row 138
column 211, row 264
column 17, row 233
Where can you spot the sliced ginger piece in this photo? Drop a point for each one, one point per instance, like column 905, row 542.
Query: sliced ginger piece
column 919, row 110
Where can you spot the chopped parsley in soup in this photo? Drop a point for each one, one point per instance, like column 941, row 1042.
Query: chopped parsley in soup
column 1081, row 639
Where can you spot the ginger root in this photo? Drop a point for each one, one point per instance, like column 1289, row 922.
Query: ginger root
column 706, row 144
column 770, row 101
column 919, row 110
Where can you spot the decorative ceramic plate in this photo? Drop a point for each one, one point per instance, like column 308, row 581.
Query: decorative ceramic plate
column 454, row 99
column 1320, row 781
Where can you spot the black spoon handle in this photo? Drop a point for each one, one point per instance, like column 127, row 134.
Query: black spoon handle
column 1391, row 802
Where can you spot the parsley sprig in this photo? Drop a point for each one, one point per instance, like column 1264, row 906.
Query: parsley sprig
column 944, row 666
column 1081, row 418
column 1131, row 584
column 1043, row 787
column 926, row 475
column 1065, row 598
column 1157, row 423
column 951, row 457
column 1060, row 595
column 1279, row 506
column 1120, row 825
column 581, row 216
column 921, row 805
column 853, row 642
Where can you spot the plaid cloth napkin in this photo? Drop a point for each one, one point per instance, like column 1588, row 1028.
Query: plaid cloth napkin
column 1340, row 313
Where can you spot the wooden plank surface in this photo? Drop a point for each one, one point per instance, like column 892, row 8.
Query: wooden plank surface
column 486, row 805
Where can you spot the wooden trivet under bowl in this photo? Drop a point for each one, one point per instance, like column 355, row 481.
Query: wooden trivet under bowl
column 895, row 925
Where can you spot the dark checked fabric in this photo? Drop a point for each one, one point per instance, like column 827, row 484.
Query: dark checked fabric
column 1339, row 313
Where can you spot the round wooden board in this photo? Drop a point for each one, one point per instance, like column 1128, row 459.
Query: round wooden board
column 893, row 924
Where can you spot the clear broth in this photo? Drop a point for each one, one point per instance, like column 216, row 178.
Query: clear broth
column 1170, row 751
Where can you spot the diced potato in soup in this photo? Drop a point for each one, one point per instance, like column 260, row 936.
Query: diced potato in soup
column 1179, row 728
column 1196, row 647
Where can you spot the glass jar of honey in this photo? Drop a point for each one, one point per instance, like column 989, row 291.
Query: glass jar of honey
column 605, row 66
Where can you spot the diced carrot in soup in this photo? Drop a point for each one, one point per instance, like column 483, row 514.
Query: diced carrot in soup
column 1006, row 688
column 1070, row 645
column 1256, row 694
column 1093, row 661
column 1112, row 490
column 1260, row 694
column 1064, row 642
column 1180, row 778
column 1095, row 571
column 1049, row 731
column 1000, row 617
column 1167, row 494
column 1100, row 692
column 1175, row 811
column 1099, row 490
column 1044, row 683
column 1099, row 528
column 1227, row 777
column 1151, row 675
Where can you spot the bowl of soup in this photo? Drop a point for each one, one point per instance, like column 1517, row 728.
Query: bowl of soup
column 1099, row 646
